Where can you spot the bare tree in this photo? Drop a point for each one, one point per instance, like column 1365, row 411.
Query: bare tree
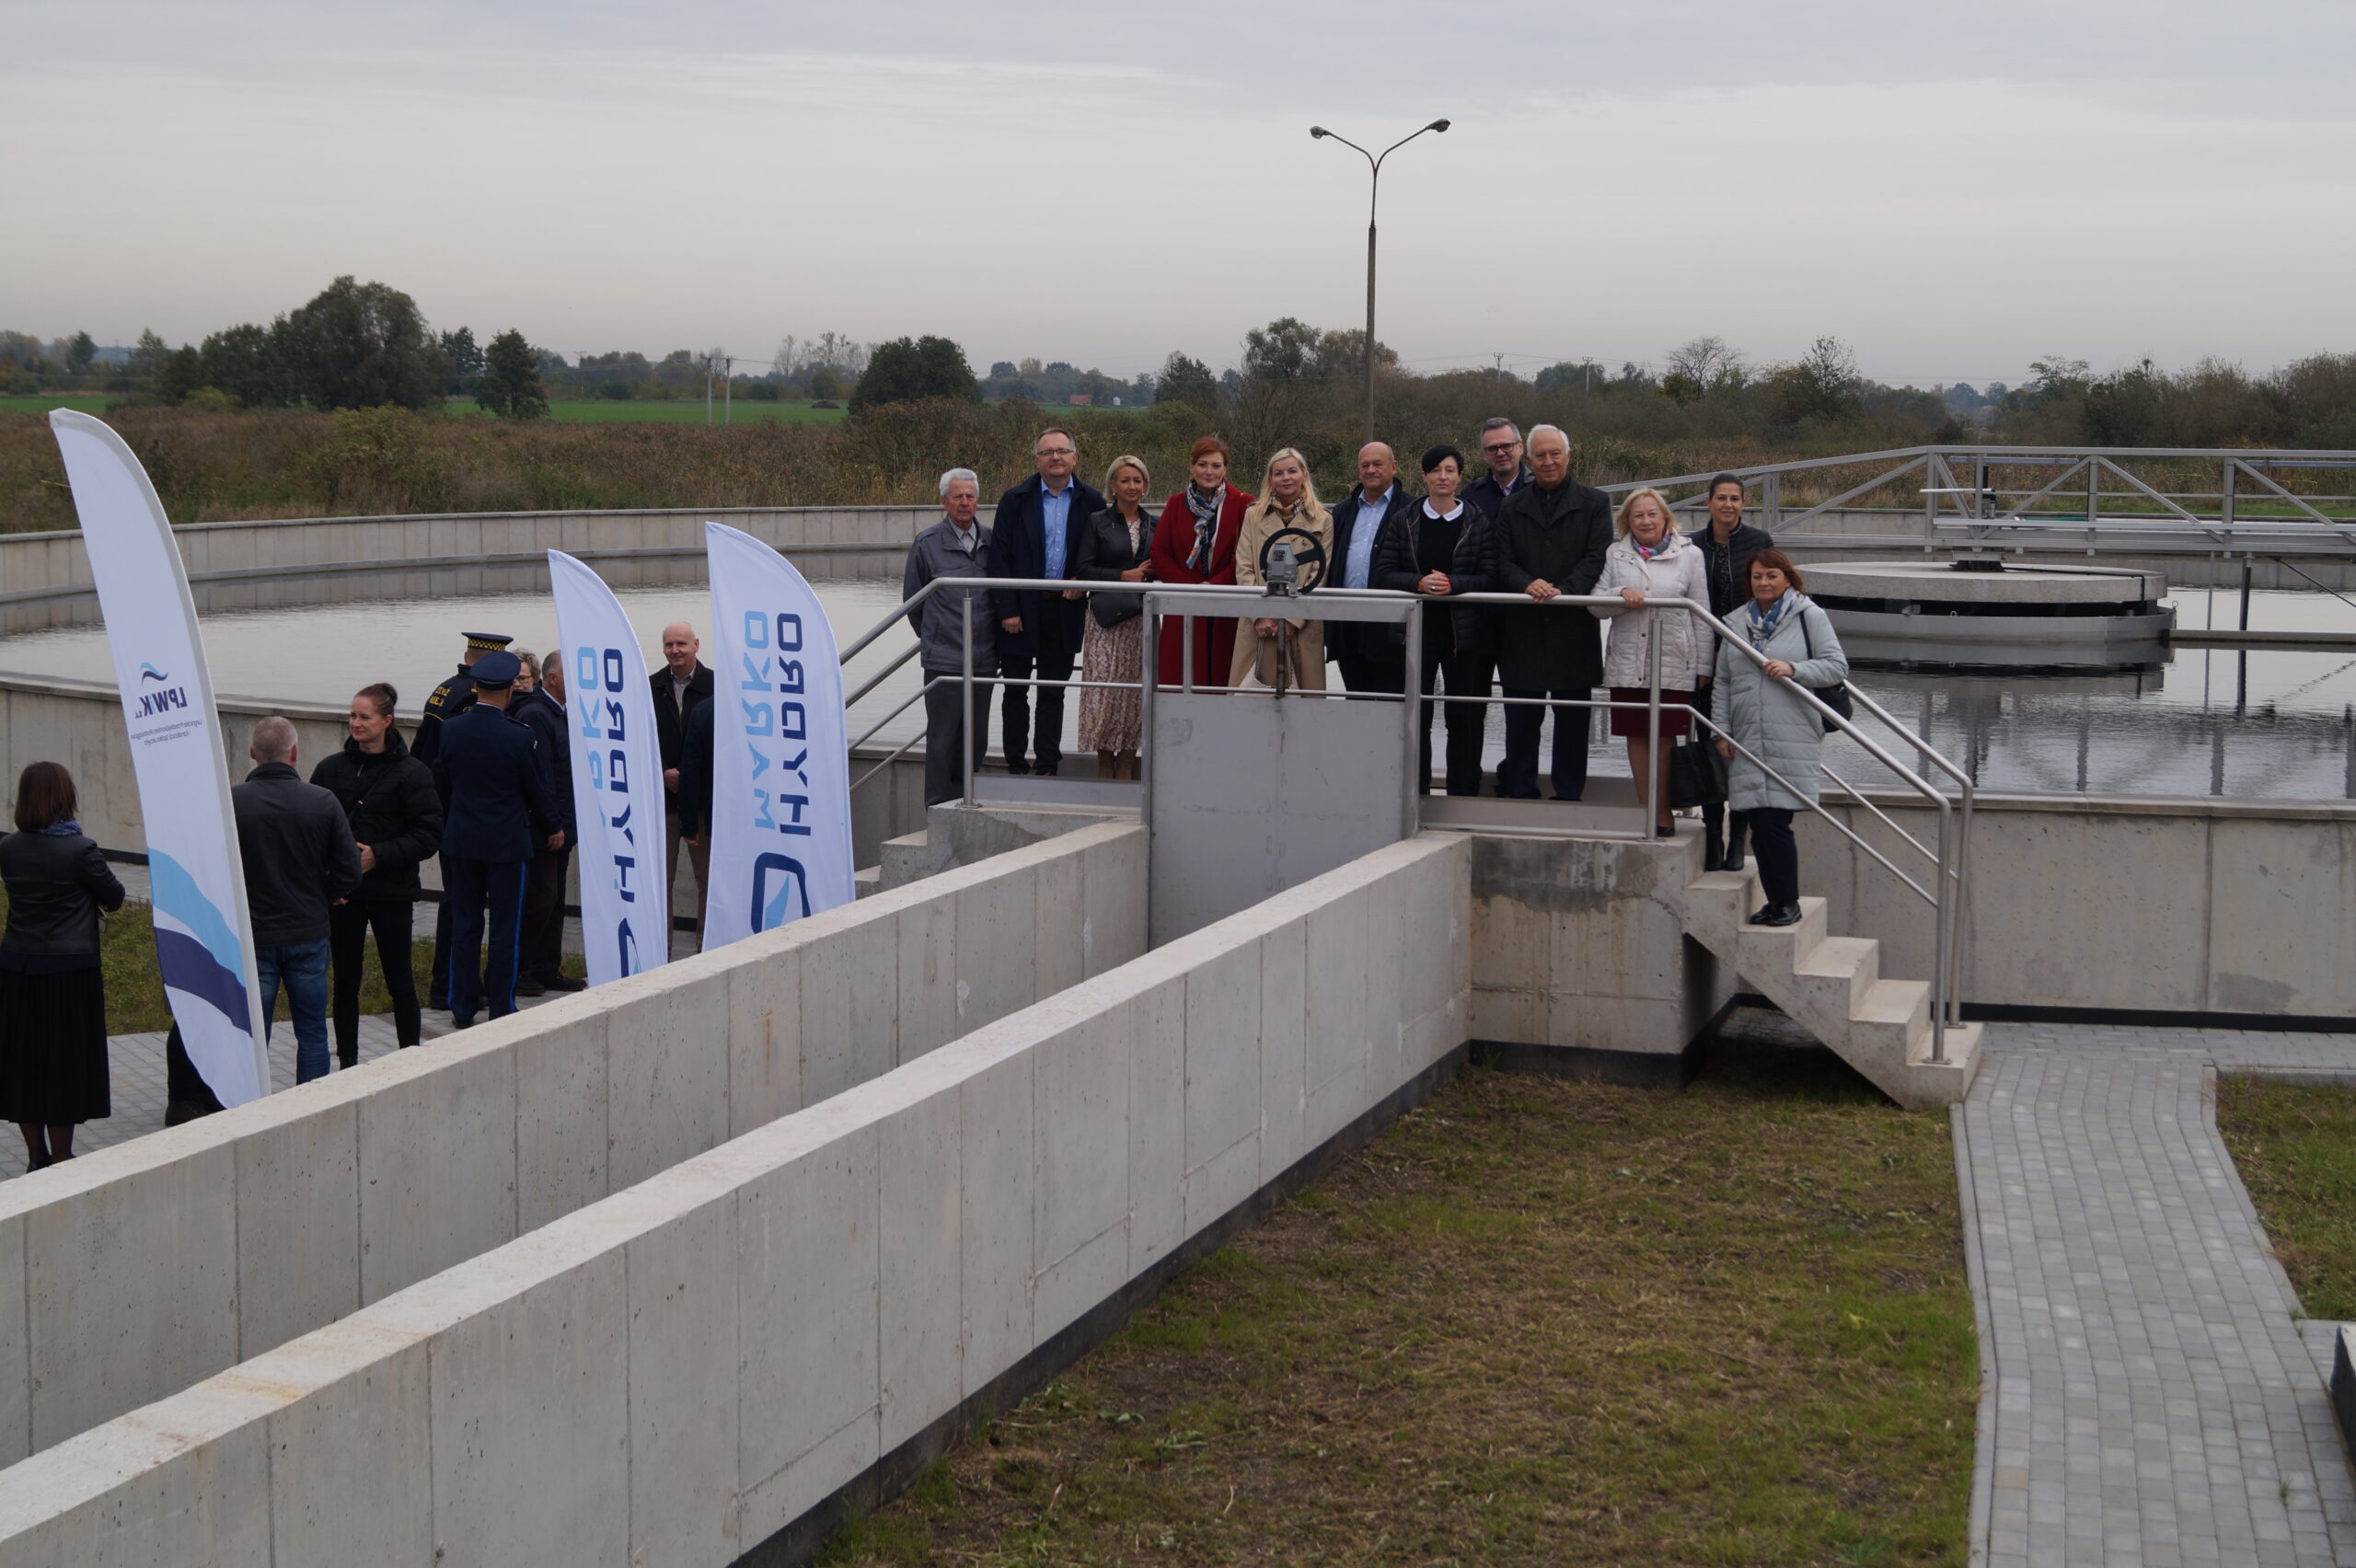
column 1709, row 362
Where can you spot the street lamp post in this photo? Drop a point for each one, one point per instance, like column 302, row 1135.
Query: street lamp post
column 1374, row 163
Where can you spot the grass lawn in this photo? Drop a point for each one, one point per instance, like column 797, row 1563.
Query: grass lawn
column 2295, row 1145
column 1537, row 1321
column 598, row 411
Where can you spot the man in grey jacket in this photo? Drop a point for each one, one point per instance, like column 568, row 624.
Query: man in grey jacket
column 299, row 857
column 957, row 545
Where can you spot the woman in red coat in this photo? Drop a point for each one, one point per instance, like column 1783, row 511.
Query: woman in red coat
column 1195, row 542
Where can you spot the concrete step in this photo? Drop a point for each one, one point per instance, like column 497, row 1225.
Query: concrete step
column 910, row 858
column 1839, row 973
column 867, row 879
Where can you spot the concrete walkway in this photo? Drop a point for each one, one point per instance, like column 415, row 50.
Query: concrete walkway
column 2152, row 1396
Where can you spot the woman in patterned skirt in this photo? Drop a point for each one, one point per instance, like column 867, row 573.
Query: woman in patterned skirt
column 1114, row 548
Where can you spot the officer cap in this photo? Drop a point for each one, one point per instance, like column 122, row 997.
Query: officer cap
column 497, row 668
column 486, row 641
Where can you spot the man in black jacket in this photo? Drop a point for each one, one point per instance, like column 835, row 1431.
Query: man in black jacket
column 539, row 704
column 1476, row 625
column 445, row 702
column 1371, row 658
column 683, row 682
column 300, row 858
column 496, row 814
column 1728, row 544
column 1036, row 534
column 1549, row 539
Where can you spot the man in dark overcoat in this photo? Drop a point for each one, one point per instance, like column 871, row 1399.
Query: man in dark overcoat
column 1036, row 534
column 1549, row 539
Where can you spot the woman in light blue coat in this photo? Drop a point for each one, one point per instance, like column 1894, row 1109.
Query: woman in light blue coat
column 1773, row 723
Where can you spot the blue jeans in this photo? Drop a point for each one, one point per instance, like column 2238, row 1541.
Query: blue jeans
column 304, row 968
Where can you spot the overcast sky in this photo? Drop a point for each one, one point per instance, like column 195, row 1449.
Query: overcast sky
column 1954, row 190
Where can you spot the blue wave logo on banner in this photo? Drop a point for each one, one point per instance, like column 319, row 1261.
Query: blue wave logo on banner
column 149, row 673
column 204, row 958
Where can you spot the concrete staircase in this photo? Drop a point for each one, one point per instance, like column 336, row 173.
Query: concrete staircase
column 1834, row 986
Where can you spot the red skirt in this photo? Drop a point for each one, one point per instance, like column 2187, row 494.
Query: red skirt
column 1635, row 723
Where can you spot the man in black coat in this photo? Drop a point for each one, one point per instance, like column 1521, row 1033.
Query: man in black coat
column 682, row 683
column 446, row 701
column 539, row 704
column 496, row 815
column 1371, row 657
column 1549, row 539
column 1036, row 534
column 299, row 860
column 1476, row 625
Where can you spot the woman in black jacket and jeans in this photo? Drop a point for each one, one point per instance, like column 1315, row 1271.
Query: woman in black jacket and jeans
column 389, row 799
column 53, row 994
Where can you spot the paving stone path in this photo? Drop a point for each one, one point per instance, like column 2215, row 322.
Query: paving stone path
column 2153, row 1398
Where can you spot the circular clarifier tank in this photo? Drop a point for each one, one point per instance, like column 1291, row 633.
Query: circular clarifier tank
column 1985, row 612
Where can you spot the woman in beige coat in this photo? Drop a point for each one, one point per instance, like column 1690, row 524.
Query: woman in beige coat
column 1287, row 499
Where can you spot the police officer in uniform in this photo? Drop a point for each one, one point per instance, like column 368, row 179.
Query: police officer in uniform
column 494, row 785
column 452, row 697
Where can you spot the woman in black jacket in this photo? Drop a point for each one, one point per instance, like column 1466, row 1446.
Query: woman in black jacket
column 1116, row 545
column 52, row 995
column 389, row 799
column 1415, row 553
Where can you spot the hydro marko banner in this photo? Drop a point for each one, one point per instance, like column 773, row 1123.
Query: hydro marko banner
column 203, row 937
column 616, row 777
column 780, row 780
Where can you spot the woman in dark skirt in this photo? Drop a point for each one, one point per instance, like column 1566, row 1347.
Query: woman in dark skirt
column 53, row 997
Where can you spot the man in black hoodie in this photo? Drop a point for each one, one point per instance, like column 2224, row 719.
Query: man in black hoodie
column 300, row 858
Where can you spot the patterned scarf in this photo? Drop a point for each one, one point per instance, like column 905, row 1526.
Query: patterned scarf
column 63, row 827
column 1206, row 509
column 1761, row 625
column 1648, row 552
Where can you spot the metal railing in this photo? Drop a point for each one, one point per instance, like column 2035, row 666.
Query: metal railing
column 1948, row 860
column 1989, row 495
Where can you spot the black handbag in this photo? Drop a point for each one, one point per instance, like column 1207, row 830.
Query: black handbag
column 1836, row 696
column 1112, row 609
column 1697, row 776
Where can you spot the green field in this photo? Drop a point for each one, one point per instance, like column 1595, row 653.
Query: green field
column 598, row 411
column 83, row 402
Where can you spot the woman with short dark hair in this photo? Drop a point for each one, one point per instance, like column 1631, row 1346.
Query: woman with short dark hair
column 53, row 993
column 1774, row 724
column 396, row 816
column 1415, row 553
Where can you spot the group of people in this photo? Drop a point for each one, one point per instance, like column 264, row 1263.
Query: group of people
column 331, row 862
column 1523, row 525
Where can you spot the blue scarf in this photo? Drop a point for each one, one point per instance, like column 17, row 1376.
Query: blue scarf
column 63, row 827
column 1206, row 509
column 1762, row 625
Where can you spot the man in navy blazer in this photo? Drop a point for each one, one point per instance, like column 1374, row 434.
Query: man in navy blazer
column 496, row 814
column 1370, row 657
column 1036, row 534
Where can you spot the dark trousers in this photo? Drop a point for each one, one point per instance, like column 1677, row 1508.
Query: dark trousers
column 945, row 728
column 1778, row 852
column 1384, row 669
column 476, row 889
column 349, row 927
column 1518, row 777
column 543, row 914
column 1465, row 677
column 1014, row 733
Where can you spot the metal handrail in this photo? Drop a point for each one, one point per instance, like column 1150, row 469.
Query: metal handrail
column 1951, row 869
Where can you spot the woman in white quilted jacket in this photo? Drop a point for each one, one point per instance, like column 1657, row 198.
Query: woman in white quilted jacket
column 1651, row 559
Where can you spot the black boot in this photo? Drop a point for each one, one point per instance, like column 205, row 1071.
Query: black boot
column 1714, row 847
column 1737, row 839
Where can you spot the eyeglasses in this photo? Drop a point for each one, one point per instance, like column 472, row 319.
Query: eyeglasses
column 1500, row 449
column 1059, row 451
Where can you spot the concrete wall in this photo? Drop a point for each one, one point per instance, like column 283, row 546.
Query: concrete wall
column 138, row 1269
column 2171, row 905
column 1578, row 951
column 674, row 1374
